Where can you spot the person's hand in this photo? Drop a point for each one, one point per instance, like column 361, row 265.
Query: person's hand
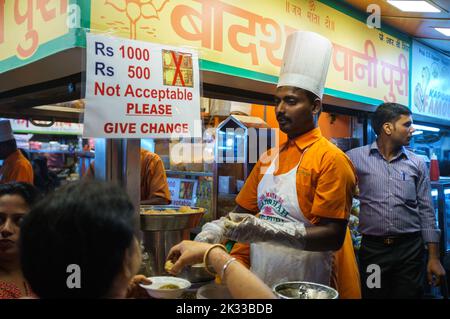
column 136, row 291
column 435, row 272
column 186, row 253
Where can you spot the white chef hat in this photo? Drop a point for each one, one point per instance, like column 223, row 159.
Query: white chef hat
column 306, row 60
column 241, row 108
column 6, row 133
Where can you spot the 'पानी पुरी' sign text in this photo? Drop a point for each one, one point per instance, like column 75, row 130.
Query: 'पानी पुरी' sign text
column 140, row 90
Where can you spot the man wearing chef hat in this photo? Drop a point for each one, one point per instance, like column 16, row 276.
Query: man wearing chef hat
column 304, row 196
column 16, row 168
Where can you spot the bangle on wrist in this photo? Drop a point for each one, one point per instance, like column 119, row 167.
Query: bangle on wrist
column 205, row 257
column 229, row 261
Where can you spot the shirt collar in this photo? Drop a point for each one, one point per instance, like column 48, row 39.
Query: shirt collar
column 307, row 139
column 374, row 148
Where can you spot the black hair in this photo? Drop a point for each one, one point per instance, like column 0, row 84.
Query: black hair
column 28, row 192
column 89, row 224
column 388, row 112
column 44, row 179
column 8, row 147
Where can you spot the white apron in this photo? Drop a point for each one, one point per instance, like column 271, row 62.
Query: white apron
column 275, row 263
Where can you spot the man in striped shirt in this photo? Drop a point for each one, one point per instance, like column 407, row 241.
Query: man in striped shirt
column 396, row 212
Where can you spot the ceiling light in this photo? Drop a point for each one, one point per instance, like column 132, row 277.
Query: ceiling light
column 426, row 128
column 444, row 31
column 414, row 6
column 417, row 133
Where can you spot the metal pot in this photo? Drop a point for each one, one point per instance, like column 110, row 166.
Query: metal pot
column 196, row 273
column 304, row 290
column 162, row 231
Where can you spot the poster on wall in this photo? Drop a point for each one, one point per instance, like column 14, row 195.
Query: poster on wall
column 183, row 191
column 430, row 82
column 137, row 89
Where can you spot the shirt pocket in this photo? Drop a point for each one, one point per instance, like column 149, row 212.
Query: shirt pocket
column 407, row 190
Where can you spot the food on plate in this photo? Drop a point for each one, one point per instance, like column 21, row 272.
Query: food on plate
column 169, row 286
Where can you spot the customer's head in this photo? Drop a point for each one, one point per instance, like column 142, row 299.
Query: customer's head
column 393, row 121
column 7, row 140
column 87, row 224
column 16, row 200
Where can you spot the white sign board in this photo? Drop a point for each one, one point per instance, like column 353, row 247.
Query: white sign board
column 183, row 191
column 138, row 89
column 430, row 82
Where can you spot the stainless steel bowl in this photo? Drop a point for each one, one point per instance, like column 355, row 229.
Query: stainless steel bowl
column 196, row 273
column 162, row 231
column 304, row 290
column 169, row 221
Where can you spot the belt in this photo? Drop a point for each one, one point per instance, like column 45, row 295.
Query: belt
column 392, row 240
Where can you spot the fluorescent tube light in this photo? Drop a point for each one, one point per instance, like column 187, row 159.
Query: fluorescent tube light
column 444, row 31
column 414, row 6
column 417, row 133
column 426, row 128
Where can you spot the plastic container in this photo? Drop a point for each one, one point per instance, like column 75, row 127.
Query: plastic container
column 434, row 168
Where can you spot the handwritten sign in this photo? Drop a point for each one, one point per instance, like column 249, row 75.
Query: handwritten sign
column 140, row 90
column 430, row 82
column 183, row 191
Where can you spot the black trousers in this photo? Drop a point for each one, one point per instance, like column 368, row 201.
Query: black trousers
column 401, row 264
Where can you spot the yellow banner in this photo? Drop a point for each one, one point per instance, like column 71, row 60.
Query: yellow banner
column 26, row 24
column 250, row 35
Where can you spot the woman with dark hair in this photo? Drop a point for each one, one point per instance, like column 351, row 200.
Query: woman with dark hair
column 79, row 242
column 16, row 200
column 44, row 179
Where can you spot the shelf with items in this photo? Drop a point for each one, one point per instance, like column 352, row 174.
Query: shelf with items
column 82, row 154
column 187, row 173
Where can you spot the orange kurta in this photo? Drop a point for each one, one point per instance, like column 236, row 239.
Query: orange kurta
column 326, row 182
column 16, row 168
column 153, row 177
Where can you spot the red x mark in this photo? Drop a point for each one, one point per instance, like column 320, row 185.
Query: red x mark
column 178, row 70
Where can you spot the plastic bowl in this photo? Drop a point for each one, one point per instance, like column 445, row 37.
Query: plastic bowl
column 155, row 291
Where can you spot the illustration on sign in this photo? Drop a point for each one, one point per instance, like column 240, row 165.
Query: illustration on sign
column 183, row 191
column 135, row 10
column 431, row 82
column 178, row 69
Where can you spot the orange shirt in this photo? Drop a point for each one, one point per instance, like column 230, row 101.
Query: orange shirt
column 326, row 183
column 16, row 168
column 153, row 177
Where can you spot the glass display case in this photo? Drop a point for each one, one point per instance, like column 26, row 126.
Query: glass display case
column 240, row 141
column 441, row 199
